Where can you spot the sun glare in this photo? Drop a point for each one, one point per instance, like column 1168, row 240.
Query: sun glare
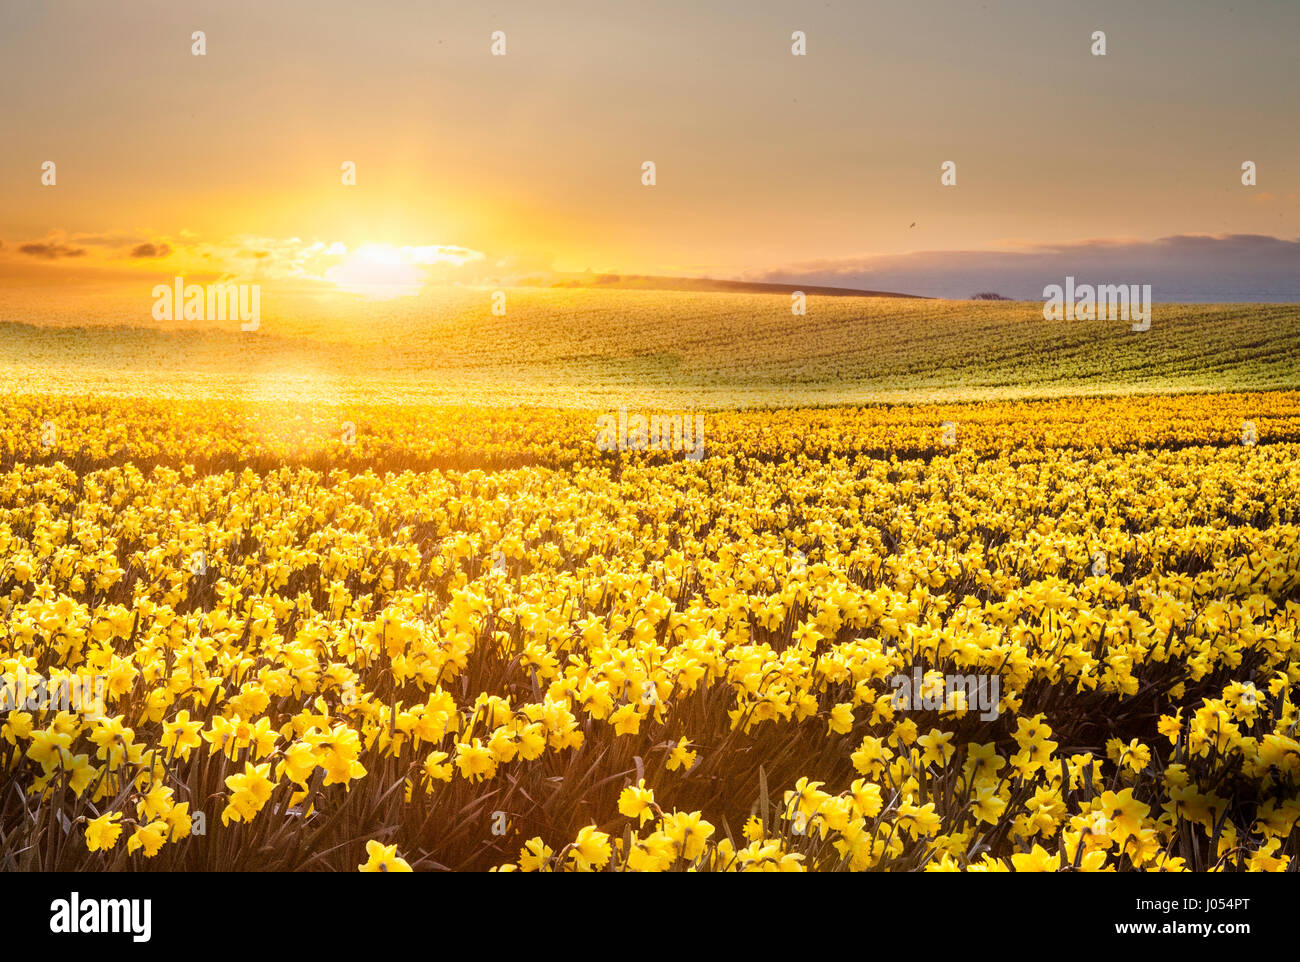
column 378, row 271
column 381, row 271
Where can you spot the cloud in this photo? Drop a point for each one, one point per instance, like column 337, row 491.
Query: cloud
column 441, row 254
column 150, row 250
column 262, row 258
column 292, row 261
column 115, row 239
column 51, row 251
column 61, row 244
column 380, row 270
column 1182, row 267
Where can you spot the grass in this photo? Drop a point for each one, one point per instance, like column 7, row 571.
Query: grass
column 581, row 348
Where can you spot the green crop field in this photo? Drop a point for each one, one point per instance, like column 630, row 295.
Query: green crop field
column 586, row 348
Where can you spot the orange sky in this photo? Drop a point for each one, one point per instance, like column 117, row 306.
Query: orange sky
column 532, row 160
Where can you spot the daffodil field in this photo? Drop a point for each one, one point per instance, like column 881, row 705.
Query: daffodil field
column 419, row 637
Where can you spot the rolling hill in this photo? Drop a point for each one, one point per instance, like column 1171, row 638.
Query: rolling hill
column 595, row 347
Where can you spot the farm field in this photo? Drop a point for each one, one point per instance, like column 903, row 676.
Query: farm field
column 347, row 628
column 599, row 348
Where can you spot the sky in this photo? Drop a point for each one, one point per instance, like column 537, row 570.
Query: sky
column 823, row 168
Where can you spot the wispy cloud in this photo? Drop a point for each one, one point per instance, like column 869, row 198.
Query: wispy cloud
column 151, row 250
column 365, row 268
column 51, row 251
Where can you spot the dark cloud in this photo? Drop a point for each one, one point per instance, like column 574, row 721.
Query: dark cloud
column 52, row 251
column 107, row 240
column 1228, row 267
column 150, row 250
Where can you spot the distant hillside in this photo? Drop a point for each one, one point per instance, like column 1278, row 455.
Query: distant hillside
column 650, row 282
column 659, row 349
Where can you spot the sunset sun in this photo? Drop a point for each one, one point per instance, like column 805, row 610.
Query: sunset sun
column 377, row 271
column 381, row 271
